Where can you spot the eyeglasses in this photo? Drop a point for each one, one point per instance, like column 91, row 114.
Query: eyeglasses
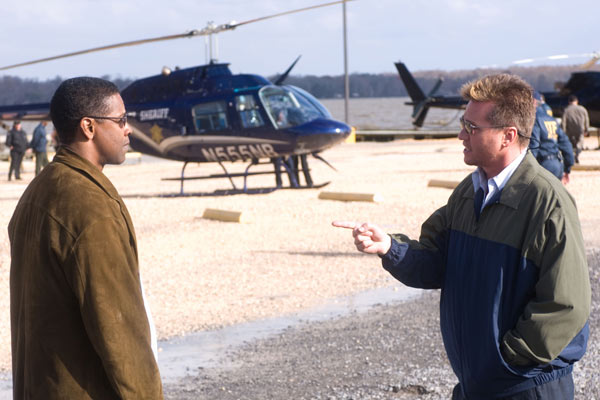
column 470, row 128
column 121, row 121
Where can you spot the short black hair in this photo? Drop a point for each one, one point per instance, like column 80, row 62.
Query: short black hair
column 572, row 98
column 77, row 98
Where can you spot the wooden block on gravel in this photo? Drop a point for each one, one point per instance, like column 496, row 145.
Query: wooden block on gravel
column 343, row 196
column 225, row 215
column 579, row 167
column 443, row 184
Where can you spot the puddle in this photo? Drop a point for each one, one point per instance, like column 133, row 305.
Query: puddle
column 6, row 386
column 183, row 356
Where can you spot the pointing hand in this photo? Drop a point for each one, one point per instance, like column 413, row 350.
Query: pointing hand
column 368, row 238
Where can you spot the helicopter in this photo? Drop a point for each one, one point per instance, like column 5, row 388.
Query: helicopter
column 583, row 84
column 207, row 114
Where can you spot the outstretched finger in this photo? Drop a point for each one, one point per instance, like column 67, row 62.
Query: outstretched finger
column 345, row 224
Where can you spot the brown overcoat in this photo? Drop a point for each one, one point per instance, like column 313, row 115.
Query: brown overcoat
column 78, row 323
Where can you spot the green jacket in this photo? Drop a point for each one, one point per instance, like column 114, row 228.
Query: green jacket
column 78, row 322
column 516, row 295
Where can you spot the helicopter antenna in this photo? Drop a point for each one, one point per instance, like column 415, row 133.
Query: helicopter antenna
column 206, row 50
column 209, row 30
column 216, row 49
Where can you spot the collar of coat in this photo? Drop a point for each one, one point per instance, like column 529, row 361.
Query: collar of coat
column 73, row 160
column 517, row 184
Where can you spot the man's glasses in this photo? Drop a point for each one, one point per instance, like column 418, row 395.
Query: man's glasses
column 122, row 121
column 470, row 128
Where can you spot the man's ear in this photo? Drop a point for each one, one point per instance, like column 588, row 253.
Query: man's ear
column 87, row 127
column 510, row 136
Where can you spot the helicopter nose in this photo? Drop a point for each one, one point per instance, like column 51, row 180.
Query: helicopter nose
column 321, row 133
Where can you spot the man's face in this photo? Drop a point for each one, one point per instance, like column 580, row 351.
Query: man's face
column 482, row 147
column 110, row 139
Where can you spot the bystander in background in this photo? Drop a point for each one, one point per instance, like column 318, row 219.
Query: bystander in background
column 16, row 141
column 38, row 144
column 549, row 144
column 576, row 123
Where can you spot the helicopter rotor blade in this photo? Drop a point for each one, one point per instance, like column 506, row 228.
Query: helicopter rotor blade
column 112, row 46
column 208, row 30
column 436, row 87
column 284, row 76
column 594, row 57
column 236, row 24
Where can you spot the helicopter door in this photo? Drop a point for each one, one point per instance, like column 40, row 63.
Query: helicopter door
column 249, row 111
column 210, row 117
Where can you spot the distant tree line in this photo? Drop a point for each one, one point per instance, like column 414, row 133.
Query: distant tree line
column 14, row 90
column 389, row 84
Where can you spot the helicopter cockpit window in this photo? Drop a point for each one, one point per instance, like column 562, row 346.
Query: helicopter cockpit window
column 310, row 102
column 210, row 116
column 247, row 107
column 285, row 108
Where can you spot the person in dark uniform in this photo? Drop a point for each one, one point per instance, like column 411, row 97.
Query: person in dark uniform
column 549, row 144
column 16, row 141
column 542, row 103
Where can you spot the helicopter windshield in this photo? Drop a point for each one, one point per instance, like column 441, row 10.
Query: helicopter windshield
column 288, row 107
column 305, row 97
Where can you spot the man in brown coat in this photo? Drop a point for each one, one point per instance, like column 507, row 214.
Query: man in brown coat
column 79, row 324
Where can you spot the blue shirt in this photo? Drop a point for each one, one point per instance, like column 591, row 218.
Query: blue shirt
column 39, row 141
column 495, row 184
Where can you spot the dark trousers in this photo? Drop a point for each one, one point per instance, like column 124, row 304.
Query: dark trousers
column 558, row 389
column 577, row 143
column 15, row 164
column 41, row 160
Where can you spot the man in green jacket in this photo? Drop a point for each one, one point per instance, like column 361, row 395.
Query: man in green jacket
column 507, row 253
column 79, row 325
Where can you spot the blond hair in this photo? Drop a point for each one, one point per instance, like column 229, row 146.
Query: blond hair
column 512, row 98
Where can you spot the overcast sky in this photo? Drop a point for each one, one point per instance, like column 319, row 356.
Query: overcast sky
column 429, row 34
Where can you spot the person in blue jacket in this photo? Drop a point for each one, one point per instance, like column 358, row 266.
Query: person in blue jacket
column 549, row 144
column 541, row 102
column 39, row 143
column 507, row 253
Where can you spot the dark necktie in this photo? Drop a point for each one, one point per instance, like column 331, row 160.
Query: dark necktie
column 478, row 201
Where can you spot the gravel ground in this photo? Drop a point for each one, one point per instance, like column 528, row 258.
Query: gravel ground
column 390, row 352
column 202, row 275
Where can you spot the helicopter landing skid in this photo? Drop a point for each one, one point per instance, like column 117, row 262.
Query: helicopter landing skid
column 289, row 164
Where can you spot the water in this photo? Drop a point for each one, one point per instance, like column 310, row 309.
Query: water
column 389, row 113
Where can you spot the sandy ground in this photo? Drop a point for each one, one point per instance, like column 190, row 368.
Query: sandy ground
column 201, row 274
